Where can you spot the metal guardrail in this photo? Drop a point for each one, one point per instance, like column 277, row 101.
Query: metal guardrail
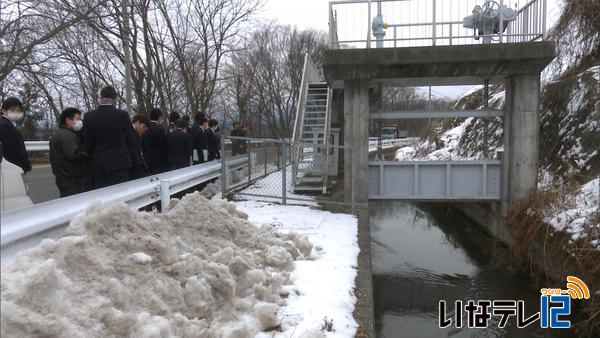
column 389, row 143
column 37, row 146
column 413, row 23
column 24, row 228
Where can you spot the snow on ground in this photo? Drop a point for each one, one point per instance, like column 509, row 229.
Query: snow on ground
column 271, row 185
column 200, row 270
column 322, row 288
column 582, row 212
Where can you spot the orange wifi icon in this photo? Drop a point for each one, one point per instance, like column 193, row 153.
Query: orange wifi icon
column 577, row 288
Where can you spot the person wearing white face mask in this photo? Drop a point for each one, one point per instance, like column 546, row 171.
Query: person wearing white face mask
column 11, row 139
column 67, row 158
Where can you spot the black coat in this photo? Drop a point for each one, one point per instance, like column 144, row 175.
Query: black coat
column 200, row 144
column 66, row 154
column 139, row 168
column 178, row 150
column 13, row 145
column 153, row 145
column 213, row 143
column 108, row 135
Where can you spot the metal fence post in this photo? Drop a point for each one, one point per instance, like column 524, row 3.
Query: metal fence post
column 353, row 179
column 165, row 195
column 283, row 175
column 265, row 147
column 249, row 161
column 223, row 170
column 278, row 160
column 434, row 24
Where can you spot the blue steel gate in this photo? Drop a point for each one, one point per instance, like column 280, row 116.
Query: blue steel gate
column 435, row 180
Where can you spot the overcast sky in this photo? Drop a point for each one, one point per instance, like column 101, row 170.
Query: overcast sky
column 314, row 14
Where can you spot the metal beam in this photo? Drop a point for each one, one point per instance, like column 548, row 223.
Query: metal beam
column 434, row 114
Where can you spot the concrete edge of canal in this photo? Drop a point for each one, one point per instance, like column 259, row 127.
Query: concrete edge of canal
column 364, row 312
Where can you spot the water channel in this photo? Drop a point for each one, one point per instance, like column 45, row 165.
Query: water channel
column 421, row 255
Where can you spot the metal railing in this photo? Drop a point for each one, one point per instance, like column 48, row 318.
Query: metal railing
column 389, row 143
column 268, row 173
column 414, row 23
column 24, row 228
column 34, row 146
column 310, row 74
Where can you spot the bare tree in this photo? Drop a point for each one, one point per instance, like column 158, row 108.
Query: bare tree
column 27, row 24
column 265, row 76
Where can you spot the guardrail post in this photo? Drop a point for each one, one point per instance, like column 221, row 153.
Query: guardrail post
column 283, row 175
column 165, row 195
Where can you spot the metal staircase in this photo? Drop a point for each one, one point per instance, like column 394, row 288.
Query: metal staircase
column 311, row 130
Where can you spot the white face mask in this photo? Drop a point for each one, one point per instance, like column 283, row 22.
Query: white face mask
column 78, row 125
column 14, row 117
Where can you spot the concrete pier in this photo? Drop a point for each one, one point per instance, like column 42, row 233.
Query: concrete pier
column 356, row 133
column 521, row 136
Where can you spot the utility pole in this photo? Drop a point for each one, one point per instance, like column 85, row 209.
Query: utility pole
column 127, row 53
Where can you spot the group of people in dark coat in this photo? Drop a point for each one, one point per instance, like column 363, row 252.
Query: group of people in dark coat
column 111, row 148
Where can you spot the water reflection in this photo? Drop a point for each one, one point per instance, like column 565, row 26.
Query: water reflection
column 420, row 257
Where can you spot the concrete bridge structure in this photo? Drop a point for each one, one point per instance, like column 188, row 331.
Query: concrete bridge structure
column 515, row 65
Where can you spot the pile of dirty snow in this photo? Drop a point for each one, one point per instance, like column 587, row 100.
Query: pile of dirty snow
column 200, row 270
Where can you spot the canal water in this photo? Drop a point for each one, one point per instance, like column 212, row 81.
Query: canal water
column 420, row 256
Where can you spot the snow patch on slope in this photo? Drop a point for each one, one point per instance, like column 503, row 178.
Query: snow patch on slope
column 577, row 217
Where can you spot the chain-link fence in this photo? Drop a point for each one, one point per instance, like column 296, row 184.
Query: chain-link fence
column 285, row 172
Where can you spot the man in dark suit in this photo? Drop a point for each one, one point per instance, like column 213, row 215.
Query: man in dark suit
column 213, row 141
column 108, row 136
column 139, row 168
column 200, row 139
column 193, row 134
column 11, row 139
column 153, row 143
column 178, row 146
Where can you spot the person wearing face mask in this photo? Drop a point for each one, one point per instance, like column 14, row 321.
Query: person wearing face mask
column 66, row 154
column 11, row 139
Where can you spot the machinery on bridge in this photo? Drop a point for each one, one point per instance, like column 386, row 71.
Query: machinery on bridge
column 486, row 20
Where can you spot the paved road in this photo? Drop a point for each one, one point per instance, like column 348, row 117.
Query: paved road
column 41, row 184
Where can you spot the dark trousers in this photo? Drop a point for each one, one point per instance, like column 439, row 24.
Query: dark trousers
column 101, row 178
column 68, row 185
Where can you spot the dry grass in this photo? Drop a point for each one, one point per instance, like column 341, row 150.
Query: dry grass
column 550, row 255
